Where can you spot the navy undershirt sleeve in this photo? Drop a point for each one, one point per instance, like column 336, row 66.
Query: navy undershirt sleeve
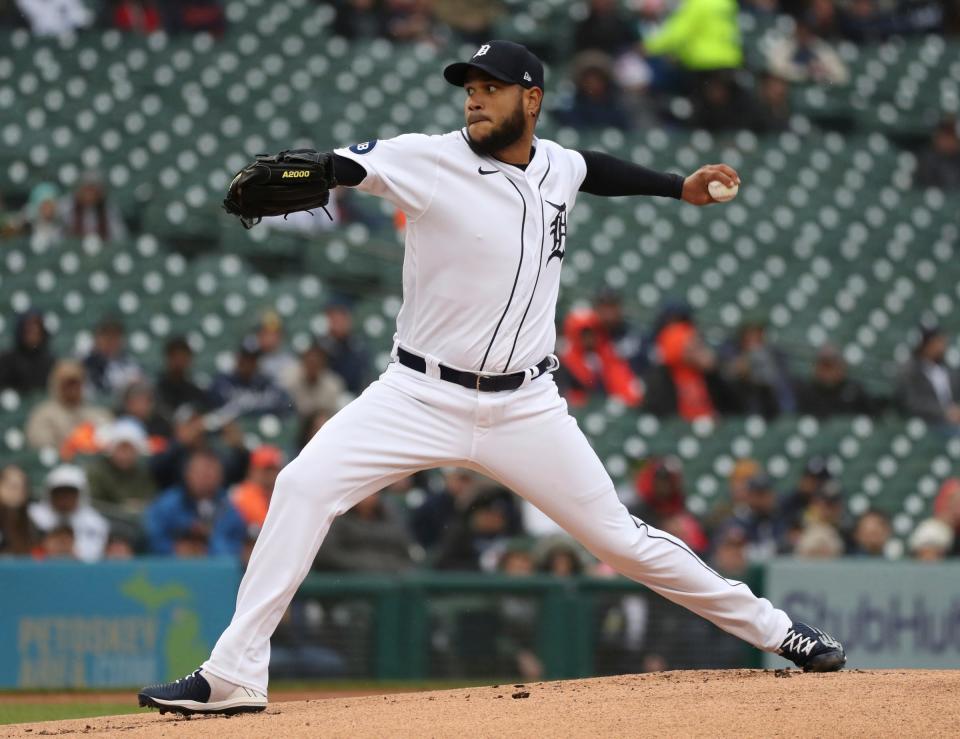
column 347, row 171
column 609, row 176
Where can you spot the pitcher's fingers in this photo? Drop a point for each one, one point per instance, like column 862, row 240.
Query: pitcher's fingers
column 730, row 172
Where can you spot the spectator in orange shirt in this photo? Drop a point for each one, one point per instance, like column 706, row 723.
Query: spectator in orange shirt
column 686, row 363
column 592, row 365
column 251, row 497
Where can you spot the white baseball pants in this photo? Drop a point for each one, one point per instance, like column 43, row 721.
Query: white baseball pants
column 524, row 439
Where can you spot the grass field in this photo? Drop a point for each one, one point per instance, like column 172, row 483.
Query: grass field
column 20, row 713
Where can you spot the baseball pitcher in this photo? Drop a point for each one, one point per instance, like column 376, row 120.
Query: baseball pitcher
column 470, row 384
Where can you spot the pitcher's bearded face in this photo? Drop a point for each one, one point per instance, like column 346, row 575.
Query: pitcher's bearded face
column 493, row 111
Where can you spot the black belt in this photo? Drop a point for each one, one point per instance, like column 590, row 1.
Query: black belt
column 485, row 383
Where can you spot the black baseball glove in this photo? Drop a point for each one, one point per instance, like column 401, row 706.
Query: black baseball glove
column 278, row 184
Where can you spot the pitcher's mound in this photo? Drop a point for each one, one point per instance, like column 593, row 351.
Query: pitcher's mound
column 688, row 703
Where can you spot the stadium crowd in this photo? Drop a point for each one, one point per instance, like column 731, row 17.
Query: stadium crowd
column 626, row 59
column 156, row 463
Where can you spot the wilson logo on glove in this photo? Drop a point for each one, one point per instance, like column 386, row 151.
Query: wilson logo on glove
column 295, row 173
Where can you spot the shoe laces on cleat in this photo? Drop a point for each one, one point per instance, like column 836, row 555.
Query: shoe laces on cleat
column 797, row 643
column 805, row 641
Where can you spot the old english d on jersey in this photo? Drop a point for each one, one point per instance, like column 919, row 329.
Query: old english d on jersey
column 479, row 292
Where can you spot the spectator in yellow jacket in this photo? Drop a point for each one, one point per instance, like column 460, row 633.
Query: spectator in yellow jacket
column 699, row 36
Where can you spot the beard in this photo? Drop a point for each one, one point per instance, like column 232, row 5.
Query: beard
column 502, row 136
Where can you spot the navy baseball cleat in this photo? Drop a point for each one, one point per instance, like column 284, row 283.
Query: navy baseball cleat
column 202, row 693
column 812, row 649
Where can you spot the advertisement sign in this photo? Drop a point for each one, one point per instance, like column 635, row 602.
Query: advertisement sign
column 886, row 614
column 124, row 623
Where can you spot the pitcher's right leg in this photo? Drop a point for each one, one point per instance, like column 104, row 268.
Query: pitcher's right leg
column 398, row 426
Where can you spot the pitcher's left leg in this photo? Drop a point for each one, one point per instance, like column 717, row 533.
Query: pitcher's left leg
column 538, row 451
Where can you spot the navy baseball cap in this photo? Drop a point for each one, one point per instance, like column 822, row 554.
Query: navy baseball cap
column 502, row 60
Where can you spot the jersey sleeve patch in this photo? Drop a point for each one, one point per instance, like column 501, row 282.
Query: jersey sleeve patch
column 364, row 148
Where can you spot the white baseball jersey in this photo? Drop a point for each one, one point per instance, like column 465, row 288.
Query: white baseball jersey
column 480, row 279
column 484, row 245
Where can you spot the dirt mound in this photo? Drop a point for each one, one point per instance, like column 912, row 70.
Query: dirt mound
column 689, row 703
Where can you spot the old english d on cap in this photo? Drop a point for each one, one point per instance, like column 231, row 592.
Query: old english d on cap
column 503, row 60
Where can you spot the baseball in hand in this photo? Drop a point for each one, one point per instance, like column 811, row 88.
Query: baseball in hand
column 720, row 192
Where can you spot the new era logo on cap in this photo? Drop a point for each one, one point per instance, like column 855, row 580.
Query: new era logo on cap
column 527, row 77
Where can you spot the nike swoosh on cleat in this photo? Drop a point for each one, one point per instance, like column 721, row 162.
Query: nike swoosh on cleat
column 481, row 170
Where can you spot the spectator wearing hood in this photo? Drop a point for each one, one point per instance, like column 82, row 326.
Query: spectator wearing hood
column 684, row 379
column 198, row 510
column 110, row 368
column 18, row 535
column 121, row 476
column 592, row 367
column 41, row 216
column 26, row 365
column 927, row 387
column 53, row 421
column 67, row 504
column 246, row 391
column 661, row 502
